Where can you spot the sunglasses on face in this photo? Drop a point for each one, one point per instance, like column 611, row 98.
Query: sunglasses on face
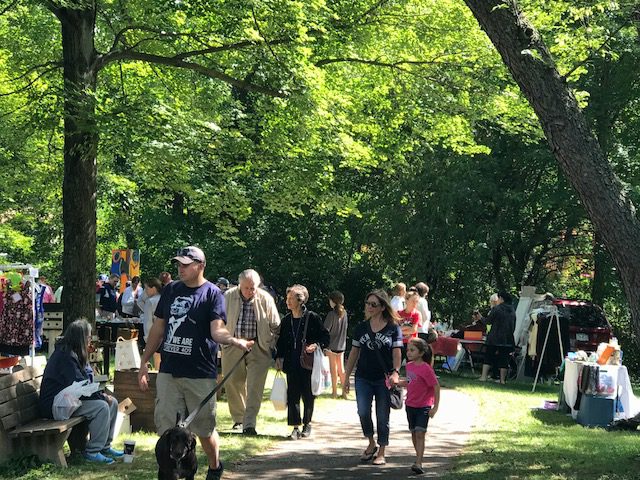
column 372, row 304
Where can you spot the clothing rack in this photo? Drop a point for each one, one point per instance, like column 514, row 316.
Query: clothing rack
column 554, row 317
column 31, row 278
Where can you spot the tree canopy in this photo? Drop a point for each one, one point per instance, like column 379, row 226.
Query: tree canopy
column 338, row 144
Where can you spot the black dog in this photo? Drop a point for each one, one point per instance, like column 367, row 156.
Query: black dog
column 176, row 454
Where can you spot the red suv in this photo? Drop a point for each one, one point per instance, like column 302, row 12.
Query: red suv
column 588, row 327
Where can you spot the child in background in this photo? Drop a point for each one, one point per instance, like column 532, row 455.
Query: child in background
column 410, row 320
column 423, row 395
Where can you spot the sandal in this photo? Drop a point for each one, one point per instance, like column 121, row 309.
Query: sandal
column 417, row 469
column 379, row 461
column 368, row 456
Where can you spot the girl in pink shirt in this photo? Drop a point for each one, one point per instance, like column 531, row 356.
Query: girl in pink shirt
column 423, row 395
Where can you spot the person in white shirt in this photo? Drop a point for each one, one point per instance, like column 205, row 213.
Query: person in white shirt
column 398, row 300
column 423, row 307
column 130, row 297
column 147, row 304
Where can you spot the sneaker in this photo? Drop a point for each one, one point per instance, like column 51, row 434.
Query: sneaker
column 215, row 474
column 250, row 431
column 97, row 457
column 295, row 435
column 112, row 452
column 237, row 426
column 306, row 431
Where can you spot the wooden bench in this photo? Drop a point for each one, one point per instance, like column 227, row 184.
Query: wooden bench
column 22, row 429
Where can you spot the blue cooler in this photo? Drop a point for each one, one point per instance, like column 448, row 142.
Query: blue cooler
column 595, row 411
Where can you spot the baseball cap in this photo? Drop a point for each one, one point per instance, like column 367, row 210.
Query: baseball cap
column 223, row 281
column 189, row 255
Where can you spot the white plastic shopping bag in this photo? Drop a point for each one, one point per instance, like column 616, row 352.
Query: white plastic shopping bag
column 127, row 354
column 326, row 372
column 279, row 392
column 68, row 400
column 317, row 378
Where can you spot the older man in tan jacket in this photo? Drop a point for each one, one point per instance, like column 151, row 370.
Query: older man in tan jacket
column 251, row 314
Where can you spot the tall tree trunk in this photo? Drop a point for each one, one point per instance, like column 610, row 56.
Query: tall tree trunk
column 496, row 266
column 572, row 142
column 80, row 149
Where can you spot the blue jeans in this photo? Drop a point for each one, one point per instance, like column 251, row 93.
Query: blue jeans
column 366, row 391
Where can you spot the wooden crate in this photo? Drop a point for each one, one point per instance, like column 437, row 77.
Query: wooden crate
column 125, row 384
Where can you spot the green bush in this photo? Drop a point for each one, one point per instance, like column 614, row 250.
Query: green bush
column 620, row 318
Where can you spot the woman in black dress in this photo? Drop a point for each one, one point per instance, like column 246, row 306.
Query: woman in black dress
column 500, row 342
column 300, row 328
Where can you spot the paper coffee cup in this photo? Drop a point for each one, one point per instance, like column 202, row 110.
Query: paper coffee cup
column 129, row 446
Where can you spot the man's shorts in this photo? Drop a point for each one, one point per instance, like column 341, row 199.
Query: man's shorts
column 418, row 418
column 176, row 395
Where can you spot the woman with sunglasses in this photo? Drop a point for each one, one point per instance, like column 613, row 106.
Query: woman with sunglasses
column 376, row 347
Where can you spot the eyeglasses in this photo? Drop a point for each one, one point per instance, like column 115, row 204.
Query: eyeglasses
column 372, row 304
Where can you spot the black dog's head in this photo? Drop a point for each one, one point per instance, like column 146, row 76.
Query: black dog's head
column 180, row 441
column 176, row 454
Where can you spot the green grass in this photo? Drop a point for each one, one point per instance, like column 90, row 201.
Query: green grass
column 515, row 440
column 511, row 441
column 271, row 426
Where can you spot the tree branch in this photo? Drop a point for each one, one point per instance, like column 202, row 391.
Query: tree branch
column 179, row 63
column 9, row 7
column 120, row 35
column 119, row 39
column 257, row 25
column 35, row 67
column 592, row 53
column 28, row 85
column 379, row 63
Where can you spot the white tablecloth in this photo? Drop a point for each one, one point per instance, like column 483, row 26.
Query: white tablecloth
column 627, row 405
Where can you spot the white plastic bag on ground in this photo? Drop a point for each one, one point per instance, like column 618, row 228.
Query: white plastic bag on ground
column 68, row 400
column 317, row 378
column 279, row 392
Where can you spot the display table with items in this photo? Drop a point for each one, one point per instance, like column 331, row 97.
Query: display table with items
column 598, row 394
column 458, row 351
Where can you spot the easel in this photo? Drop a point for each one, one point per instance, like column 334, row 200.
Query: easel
column 554, row 316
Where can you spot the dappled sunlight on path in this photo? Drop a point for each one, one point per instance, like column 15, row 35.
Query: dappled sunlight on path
column 334, row 450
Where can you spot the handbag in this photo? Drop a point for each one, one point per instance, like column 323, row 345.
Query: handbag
column 395, row 394
column 127, row 354
column 306, row 359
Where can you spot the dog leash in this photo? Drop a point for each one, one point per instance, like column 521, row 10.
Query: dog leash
column 192, row 415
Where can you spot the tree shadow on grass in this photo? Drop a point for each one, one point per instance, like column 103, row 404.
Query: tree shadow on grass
column 552, row 417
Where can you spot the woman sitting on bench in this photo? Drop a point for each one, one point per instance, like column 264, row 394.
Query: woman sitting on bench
column 68, row 364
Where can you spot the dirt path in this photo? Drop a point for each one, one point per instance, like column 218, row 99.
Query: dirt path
column 334, row 449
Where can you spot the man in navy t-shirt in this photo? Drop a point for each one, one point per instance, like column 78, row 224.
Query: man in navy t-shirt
column 189, row 325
